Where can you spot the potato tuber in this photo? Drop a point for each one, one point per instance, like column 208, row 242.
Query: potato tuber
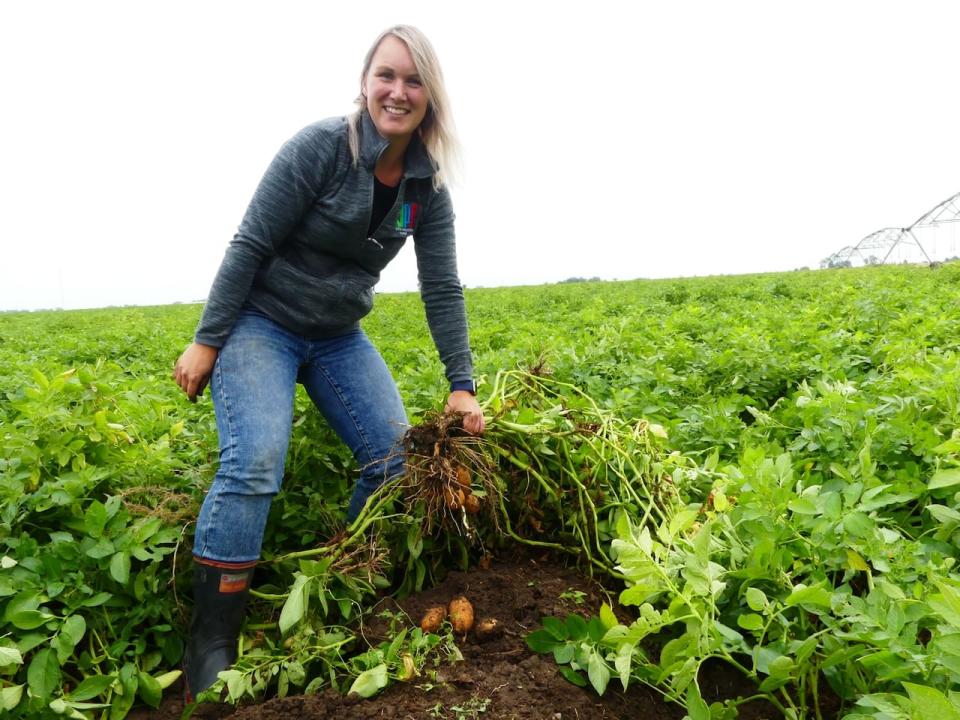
column 453, row 497
column 461, row 615
column 488, row 629
column 463, row 478
column 471, row 503
column 433, row 619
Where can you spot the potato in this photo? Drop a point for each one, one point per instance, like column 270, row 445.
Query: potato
column 433, row 619
column 463, row 478
column 471, row 503
column 461, row 615
column 453, row 497
column 488, row 629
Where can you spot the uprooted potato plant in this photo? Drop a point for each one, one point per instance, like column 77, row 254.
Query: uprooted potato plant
column 553, row 471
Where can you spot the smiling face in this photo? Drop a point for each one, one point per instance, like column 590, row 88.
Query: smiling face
column 396, row 98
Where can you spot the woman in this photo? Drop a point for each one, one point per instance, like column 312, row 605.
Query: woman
column 334, row 207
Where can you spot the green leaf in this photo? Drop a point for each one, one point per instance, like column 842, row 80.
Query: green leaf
column 29, row 641
column 946, row 603
column 802, row 595
column 750, row 621
column 556, row 628
column 541, row 641
column 682, row 521
column 29, row 619
column 623, row 662
column 74, row 628
column 167, row 679
column 39, row 378
column 370, row 682
column 26, row 600
column 10, row 656
column 773, row 682
column 101, row 549
column 415, row 541
column 91, row 687
column 803, row 506
column 697, row 709
column 563, row 654
column 943, row 514
column 948, row 446
column 393, row 652
column 596, row 629
column 296, row 672
column 10, row 696
column 577, row 627
column 149, row 690
column 856, row 562
column 598, row 672
column 61, row 643
column 120, row 567
column 237, row 683
column 929, row 703
column 781, row 666
column 607, row 617
column 806, row 648
column 95, row 519
column 756, row 600
column 99, row 599
column 43, row 674
column 123, row 700
column 573, row 676
column 296, row 605
column 858, row 524
column 944, row 478
column 526, row 416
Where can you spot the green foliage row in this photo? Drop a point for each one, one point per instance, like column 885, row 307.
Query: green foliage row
column 811, row 540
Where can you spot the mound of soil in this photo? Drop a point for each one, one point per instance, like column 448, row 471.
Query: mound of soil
column 498, row 679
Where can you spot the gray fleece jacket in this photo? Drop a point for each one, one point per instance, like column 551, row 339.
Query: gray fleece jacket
column 303, row 257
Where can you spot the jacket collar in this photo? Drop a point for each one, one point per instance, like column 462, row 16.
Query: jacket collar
column 417, row 162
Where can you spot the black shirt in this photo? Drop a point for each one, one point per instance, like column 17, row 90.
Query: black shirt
column 383, row 198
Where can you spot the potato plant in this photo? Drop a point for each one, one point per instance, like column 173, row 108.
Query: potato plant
column 768, row 465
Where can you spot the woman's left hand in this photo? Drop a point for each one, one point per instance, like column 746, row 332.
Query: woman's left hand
column 464, row 402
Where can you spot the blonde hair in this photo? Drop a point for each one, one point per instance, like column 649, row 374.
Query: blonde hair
column 437, row 131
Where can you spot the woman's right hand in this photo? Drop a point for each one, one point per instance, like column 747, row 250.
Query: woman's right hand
column 193, row 369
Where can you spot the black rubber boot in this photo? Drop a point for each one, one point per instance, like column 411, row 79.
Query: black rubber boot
column 219, row 596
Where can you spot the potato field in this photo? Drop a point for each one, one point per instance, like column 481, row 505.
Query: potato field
column 714, row 498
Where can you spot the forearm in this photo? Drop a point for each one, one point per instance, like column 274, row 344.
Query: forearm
column 440, row 288
column 447, row 320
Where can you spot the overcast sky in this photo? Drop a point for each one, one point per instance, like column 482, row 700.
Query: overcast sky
column 609, row 139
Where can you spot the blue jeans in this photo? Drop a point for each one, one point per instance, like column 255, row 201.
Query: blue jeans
column 253, row 386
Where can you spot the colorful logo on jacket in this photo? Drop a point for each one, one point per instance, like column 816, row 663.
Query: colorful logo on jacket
column 407, row 218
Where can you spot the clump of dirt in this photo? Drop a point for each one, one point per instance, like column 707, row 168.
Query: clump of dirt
column 499, row 678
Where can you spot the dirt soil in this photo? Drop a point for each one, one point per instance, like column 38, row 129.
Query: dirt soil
column 500, row 679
